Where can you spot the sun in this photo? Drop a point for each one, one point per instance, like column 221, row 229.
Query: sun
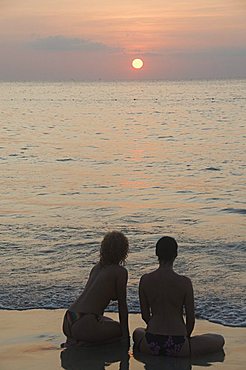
column 137, row 63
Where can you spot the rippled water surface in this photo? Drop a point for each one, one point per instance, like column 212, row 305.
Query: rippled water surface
column 149, row 158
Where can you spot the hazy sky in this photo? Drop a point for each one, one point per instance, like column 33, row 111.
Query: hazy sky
column 97, row 39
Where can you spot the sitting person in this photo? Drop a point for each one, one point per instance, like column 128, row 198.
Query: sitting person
column 84, row 321
column 163, row 294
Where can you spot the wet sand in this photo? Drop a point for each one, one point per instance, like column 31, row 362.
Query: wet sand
column 31, row 340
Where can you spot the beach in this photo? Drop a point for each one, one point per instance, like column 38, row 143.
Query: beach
column 31, row 339
column 147, row 158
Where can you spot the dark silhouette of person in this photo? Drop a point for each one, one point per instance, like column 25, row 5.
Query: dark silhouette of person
column 85, row 321
column 164, row 296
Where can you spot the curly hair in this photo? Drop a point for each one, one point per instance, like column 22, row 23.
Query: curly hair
column 114, row 248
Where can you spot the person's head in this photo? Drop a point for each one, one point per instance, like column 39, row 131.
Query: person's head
column 114, row 248
column 166, row 249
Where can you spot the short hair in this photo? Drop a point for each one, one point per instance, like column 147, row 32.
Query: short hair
column 114, row 248
column 166, row 249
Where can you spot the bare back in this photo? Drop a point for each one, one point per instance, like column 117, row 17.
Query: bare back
column 163, row 295
column 105, row 283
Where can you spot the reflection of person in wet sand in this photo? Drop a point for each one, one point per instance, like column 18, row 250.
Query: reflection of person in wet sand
column 177, row 363
column 163, row 363
column 96, row 357
column 84, row 320
column 163, row 295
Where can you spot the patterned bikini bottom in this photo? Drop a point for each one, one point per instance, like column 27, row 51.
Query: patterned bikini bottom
column 166, row 345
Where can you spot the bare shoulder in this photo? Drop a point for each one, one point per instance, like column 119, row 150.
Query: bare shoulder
column 122, row 270
column 121, row 275
column 146, row 277
column 94, row 269
column 119, row 270
column 186, row 281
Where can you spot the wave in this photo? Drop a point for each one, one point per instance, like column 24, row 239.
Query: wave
column 240, row 211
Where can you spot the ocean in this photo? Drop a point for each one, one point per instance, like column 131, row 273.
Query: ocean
column 147, row 158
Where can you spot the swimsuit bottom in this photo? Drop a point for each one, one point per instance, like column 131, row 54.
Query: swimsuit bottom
column 71, row 317
column 166, row 345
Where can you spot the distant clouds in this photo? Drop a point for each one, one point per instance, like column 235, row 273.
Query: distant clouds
column 206, row 51
column 63, row 43
column 95, row 39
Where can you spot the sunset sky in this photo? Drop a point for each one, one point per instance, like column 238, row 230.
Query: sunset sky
column 97, row 39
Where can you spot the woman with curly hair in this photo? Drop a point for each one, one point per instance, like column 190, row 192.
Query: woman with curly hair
column 84, row 321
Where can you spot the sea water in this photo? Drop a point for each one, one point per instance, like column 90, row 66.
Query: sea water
column 147, row 158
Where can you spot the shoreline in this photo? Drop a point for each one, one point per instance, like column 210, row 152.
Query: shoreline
column 114, row 313
column 32, row 338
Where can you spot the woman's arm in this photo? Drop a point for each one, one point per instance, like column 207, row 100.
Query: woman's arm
column 144, row 305
column 189, row 307
column 122, row 304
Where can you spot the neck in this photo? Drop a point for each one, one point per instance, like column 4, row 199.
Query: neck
column 166, row 265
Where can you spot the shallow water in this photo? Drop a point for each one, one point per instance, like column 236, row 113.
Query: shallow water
column 147, row 158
